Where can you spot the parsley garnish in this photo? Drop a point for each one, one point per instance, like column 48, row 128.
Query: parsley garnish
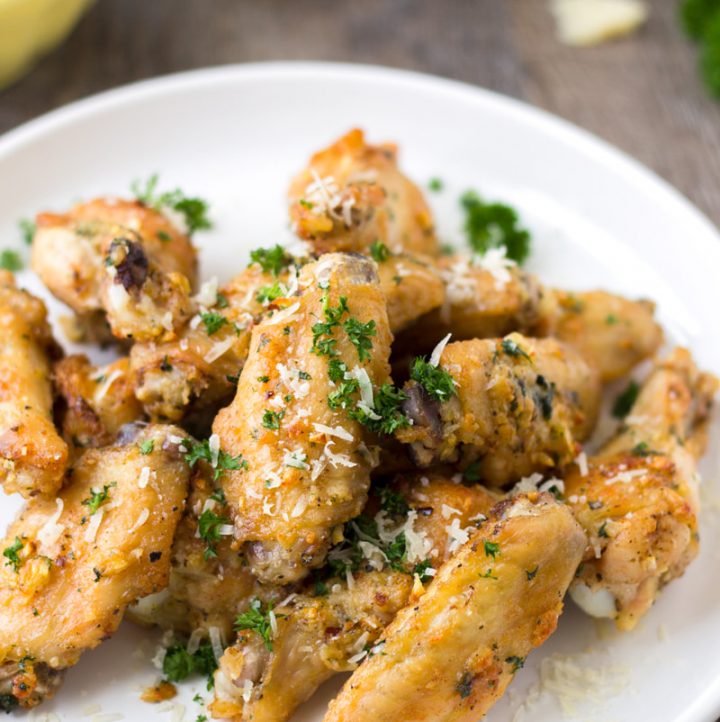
column 11, row 554
column 494, row 225
column 268, row 294
column 516, row 662
column 491, row 548
column 271, row 419
column 393, row 502
column 213, row 321
column 10, row 260
column 488, row 575
column 8, row 702
column 531, row 573
column 464, row 686
column 701, row 20
column 626, row 400
column 271, row 260
column 379, row 251
column 436, row 381
column 165, row 365
column 642, row 449
column 179, row 664
column 360, row 335
column 513, row 349
column 147, row 446
column 97, row 498
column 435, row 185
column 323, row 342
column 194, row 210
column 209, row 524
column 472, row 472
column 257, row 619
column 27, row 230
column 201, row 451
column 602, row 531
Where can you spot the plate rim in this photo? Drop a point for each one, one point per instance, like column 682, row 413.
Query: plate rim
column 702, row 233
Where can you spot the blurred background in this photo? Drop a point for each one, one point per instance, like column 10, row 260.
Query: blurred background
column 641, row 91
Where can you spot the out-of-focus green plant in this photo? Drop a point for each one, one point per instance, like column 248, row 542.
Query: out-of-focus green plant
column 701, row 21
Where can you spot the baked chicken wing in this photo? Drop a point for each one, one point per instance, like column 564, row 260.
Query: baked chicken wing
column 382, row 562
column 121, row 259
column 33, row 457
column 306, row 464
column 353, row 194
column 510, row 407
column 451, row 654
column 638, row 501
column 73, row 564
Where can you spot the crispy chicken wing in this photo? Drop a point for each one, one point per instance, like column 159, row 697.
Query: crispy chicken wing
column 73, row 564
column 353, row 194
column 33, row 457
column 612, row 333
column 638, row 501
column 307, row 466
column 450, row 655
column 119, row 257
column 330, row 627
column 95, row 401
column 519, row 406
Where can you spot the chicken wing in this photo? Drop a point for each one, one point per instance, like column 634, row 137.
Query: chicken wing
column 613, row 334
column 95, row 402
column 307, row 467
column 329, row 628
column 638, row 501
column 73, row 564
column 515, row 406
column 119, row 257
column 33, row 457
column 450, row 655
column 353, row 194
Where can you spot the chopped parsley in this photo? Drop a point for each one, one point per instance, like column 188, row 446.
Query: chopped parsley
column 257, row 619
column 10, row 260
column 611, row 319
column 360, row 336
column 626, row 400
column 263, row 379
column 464, row 686
column 194, row 210
column 12, row 556
column 200, row 451
column 271, row 419
column 323, row 342
column 602, row 531
column 494, row 225
column 516, row 662
column 271, row 260
column 97, row 498
column 393, row 502
column 213, row 321
column 8, row 702
column 488, row 575
column 701, row 20
column 435, row 185
column 513, row 349
column 165, row 365
column 27, row 230
column 147, row 446
column 179, row 664
column 387, row 405
column 271, row 292
column 209, row 524
column 491, row 548
column 472, row 472
column 642, row 449
column 531, row 573
column 438, row 383
column 379, row 251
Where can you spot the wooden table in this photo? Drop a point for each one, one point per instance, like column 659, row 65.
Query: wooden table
column 640, row 93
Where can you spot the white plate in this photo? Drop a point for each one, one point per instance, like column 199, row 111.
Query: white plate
column 236, row 134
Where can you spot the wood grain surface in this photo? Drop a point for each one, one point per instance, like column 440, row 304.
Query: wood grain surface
column 641, row 93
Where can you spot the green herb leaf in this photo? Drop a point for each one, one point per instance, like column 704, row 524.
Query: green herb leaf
column 97, row 498
column 10, row 260
column 257, row 619
column 626, row 400
column 27, row 230
column 11, row 554
column 271, row 419
column 200, row 451
column 436, row 381
column 213, row 321
column 379, row 251
column 147, row 446
column 436, row 185
column 513, row 349
column 209, row 525
column 491, row 549
column 271, row 260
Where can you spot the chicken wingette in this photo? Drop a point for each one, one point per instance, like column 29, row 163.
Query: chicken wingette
column 450, row 655
column 385, row 557
column 33, row 457
column 353, row 195
column 509, row 407
column 120, row 259
column 312, row 376
column 611, row 332
column 73, row 564
column 638, row 501
column 94, row 402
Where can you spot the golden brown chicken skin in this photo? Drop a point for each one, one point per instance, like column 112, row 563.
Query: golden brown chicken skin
column 353, row 194
column 517, row 405
column 33, row 457
column 121, row 258
column 329, row 627
column 638, row 501
column 94, row 402
column 451, row 654
column 307, row 465
column 612, row 333
column 75, row 563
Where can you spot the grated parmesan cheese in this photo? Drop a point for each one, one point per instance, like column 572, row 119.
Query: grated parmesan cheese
column 219, row 349
column 94, row 525
column 338, row 431
column 50, row 532
column 144, row 477
column 101, row 393
column 142, row 518
column 437, row 351
column 207, row 295
column 282, row 316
